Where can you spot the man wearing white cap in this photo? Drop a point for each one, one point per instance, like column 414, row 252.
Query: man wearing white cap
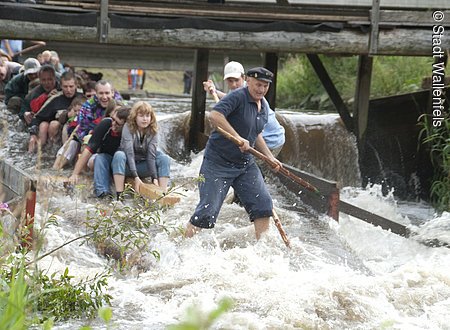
column 234, row 76
column 17, row 88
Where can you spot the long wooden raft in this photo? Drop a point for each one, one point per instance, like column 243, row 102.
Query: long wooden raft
column 155, row 193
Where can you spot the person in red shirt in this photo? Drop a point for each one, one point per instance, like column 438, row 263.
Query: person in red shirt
column 44, row 125
column 48, row 87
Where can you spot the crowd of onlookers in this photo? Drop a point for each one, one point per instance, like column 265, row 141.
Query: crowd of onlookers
column 59, row 105
column 42, row 91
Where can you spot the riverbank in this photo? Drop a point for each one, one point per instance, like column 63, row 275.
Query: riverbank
column 163, row 82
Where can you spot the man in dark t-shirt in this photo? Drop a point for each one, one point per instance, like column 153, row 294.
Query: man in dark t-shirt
column 100, row 151
column 44, row 124
column 243, row 114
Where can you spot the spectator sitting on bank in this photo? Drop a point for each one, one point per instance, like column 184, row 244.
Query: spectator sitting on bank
column 139, row 149
column 17, row 88
column 68, row 152
column 93, row 110
column 7, row 71
column 44, row 124
column 47, row 88
column 101, row 154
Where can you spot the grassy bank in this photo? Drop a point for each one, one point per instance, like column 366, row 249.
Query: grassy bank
column 167, row 82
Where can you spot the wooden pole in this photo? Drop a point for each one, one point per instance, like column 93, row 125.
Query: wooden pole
column 30, row 206
column 271, row 163
column 283, row 235
column 28, row 49
column 215, row 96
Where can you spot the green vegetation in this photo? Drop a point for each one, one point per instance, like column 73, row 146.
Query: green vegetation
column 437, row 140
column 31, row 296
column 196, row 319
column 299, row 87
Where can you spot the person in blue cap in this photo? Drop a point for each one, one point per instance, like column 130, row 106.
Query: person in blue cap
column 243, row 114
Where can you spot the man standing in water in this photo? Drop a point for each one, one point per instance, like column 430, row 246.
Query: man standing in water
column 243, row 114
column 234, row 76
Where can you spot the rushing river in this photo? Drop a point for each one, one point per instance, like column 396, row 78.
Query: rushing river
column 337, row 275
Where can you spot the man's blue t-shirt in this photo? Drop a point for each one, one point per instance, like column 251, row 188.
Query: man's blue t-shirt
column 241, row 111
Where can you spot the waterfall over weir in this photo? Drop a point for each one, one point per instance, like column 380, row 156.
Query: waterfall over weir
column 316, row 143
column 320, row 144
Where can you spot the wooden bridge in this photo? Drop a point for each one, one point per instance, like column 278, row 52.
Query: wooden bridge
column 376, row 27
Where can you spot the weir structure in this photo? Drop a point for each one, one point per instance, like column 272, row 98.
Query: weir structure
column 173, row 35
column 18, row 191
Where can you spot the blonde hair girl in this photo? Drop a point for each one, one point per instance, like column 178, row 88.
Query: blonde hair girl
column 139, row 144
column 142, row 108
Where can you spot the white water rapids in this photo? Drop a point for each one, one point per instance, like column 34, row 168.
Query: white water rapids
column 338, row 275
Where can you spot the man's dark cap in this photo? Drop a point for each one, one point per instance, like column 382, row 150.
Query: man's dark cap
column 260, row 73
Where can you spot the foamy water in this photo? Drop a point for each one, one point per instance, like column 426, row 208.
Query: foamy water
column 367, row 279
column 338, row 275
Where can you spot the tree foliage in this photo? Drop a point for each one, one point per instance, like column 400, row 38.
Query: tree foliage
column 299, row 87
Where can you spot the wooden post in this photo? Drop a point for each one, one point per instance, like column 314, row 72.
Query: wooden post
column 271, row 63
column 333, row 93
column 333, row 204
column 362, row 97
column 30, row 206
column 103, row 22
column 374, row 27
column 197, row 121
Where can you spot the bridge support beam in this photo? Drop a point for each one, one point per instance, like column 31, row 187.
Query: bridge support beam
column 197, row 138
column 271, row 63
column 362, row 97
column 332, row 92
